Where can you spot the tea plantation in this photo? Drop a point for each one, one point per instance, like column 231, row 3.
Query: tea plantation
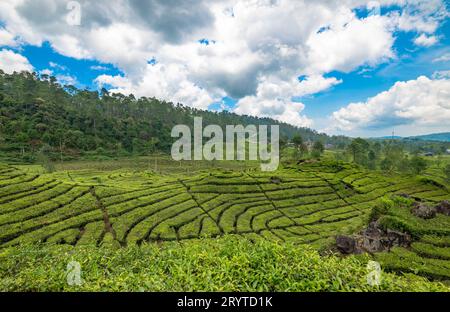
column 298, row 209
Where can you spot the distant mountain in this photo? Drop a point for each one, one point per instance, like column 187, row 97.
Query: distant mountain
column 440, row 137
column 388, row 137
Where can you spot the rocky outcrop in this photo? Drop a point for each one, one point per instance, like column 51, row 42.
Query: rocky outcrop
column 423, row 211
column 372, row 239
column 346, row 244
column 443, row 207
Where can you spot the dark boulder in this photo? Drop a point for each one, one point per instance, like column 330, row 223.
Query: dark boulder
column 423, row 211
column 376, row 239
column 443, row 207
column 372, row 239
column 346, row 244
column 396, row 238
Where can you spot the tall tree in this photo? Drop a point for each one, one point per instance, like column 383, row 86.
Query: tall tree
column 317, row 149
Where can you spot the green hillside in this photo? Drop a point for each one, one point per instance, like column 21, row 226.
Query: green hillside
column 302, row 206
column 442, row 137
column 65, row 122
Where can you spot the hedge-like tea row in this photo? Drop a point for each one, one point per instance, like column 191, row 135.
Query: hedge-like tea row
column 309, row 204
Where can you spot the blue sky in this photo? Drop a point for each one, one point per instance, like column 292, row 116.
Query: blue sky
column 248, row 61
column 84, row 71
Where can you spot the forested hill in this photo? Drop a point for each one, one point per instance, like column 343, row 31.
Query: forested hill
column 38, row 113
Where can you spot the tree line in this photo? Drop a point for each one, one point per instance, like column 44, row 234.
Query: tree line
column 38, row 115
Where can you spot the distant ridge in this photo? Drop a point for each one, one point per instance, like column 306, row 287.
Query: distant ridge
column 440, row 137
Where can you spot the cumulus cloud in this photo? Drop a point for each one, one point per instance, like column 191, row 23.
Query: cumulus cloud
column 274, row 99
column 340, row 47
column 155, row 84
column 426, row 41
column 46, row 71
column 6, row 38
column 66, row 79
column 13, row 62
column 420, row 16
column 253, row 45
column 422, row 103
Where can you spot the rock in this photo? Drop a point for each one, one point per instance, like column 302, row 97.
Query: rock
column 396, row 238
column 275, row 180
column 443, row 207
column 346, row 244
column 423, row 211
column 372, row 244
column 372, row 239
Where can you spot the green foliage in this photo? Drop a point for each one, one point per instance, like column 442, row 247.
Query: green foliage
column 300, row 147
column 403, row 260
column 447, row 172
column 418, row 164
column 431, row 251
column 75, row 123
column 317, row 149
column 225, row 264
column 110, row 208
column 44, row 160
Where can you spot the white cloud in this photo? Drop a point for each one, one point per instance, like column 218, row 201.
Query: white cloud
column 443, row 58
column 46, row 71
column 419, row 16
column 274, row 99
column 57, row 66
column 99, row 67
column 340, row 47
column 425, row 41
column 421, row 105
column 257, row 44
column 441, row 74
column 66, row 80
column 12, row 62
column 7, row 38
column 167, row 82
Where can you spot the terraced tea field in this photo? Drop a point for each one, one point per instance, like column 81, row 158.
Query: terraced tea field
column 308, row 204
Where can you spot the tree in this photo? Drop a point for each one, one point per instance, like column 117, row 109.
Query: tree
column 283, row 142
column 44, row 160
column 371, row 156
column 297, row 140
column 317, row 149
column 387, row 165
column 358, row 149
column 300, row 146
column 418, row 165
column 394, row 156
column 404, row 164
column 376, row 148
column 72, row 121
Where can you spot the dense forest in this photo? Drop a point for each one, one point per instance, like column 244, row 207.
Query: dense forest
column 37, row 113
